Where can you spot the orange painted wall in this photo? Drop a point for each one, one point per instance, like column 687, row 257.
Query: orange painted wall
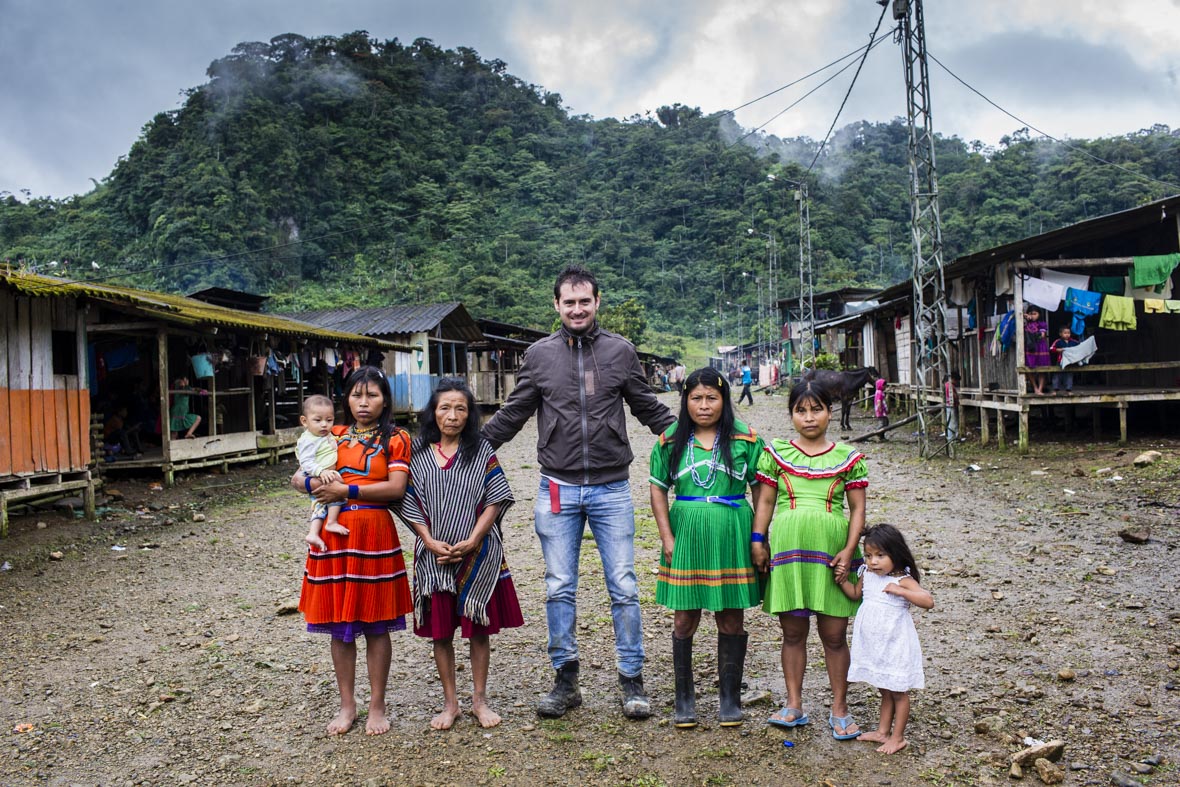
column 44, row 431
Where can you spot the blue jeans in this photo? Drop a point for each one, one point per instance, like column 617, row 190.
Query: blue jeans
column 1062, row 380
column 607, row 508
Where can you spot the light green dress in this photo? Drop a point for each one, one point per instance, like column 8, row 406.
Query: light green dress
column 809, row 526
column 711, row 567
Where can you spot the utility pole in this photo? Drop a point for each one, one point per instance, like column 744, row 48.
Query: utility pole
column 806, row 285
column 931, row 349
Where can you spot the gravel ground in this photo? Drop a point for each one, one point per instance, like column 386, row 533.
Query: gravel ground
column 159, row 645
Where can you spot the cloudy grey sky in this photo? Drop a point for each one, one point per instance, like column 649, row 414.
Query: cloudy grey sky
column 80, row 78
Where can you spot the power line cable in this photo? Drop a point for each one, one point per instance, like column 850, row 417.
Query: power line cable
column 1074, row 148
column 819, row 70
column 800, row 100
column 868, row 48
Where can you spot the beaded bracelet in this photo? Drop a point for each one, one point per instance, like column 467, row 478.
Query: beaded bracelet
column 307, row 484
column 354, row 492
column 757, row 538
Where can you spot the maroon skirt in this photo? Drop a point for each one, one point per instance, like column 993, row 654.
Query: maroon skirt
column 441, row 620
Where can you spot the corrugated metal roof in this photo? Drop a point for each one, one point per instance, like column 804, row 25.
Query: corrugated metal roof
column 399, row 319
column 176, row 309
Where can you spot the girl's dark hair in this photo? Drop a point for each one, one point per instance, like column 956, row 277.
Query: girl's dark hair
column 684, row 426
column 363, row 376
column 809, row 390
column 889, row 540
column 428, row 431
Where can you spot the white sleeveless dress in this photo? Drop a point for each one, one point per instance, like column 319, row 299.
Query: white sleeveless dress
column 885, row 648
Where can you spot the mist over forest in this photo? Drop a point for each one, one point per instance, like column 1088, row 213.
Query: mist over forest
column 345, row 170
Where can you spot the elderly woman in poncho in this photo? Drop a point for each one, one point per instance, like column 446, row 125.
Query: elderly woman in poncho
column 455, row 501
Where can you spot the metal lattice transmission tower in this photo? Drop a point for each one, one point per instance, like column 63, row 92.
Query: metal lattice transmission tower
column 931, row 349
column 806, row 284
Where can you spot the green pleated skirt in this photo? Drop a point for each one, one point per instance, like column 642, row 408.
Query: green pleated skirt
column 711, row 567
column 803, row 542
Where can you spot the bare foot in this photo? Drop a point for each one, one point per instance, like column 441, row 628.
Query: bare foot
column 892, row 746
column 336, row 528
column 446, row 719
column 342, row 722
column 377, row 723
column 485, row 715
column 876, row 736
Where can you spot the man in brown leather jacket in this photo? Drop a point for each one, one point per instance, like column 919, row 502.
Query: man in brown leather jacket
column 576, row 381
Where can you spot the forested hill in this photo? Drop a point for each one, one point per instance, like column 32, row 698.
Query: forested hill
column 346, row 170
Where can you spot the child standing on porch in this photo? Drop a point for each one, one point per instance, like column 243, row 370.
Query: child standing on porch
column 1062, row 379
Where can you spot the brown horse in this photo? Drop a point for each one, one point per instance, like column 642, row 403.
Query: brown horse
column 844, row 386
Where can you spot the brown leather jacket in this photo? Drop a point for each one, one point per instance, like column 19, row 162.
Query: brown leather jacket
column 577, row 386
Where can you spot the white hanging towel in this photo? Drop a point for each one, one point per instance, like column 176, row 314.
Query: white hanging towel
column 959, row 295
column 1144, row 293
column 1079, row 354
column 1066, row 280
column 1003, row 279
column 1044, row 294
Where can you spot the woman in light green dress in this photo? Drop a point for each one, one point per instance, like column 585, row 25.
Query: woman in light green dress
column 811, row 547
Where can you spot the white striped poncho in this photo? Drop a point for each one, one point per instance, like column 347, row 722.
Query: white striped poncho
column 449, row 502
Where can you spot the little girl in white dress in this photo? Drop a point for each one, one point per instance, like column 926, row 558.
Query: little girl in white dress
column 885, row 648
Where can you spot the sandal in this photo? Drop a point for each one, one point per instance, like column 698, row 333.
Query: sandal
column 778, row 721
column 843, row 722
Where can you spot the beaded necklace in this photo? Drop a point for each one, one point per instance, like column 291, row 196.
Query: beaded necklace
column 713, row 460
column 360, row 435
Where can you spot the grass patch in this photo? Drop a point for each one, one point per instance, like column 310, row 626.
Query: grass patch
column 715, row 754
column 600, row 761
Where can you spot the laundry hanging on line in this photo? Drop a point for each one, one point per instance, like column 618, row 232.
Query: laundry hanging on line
column 1044, row 294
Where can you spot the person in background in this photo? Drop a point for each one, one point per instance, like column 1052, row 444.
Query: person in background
column 1036, row 348
column 880, row 405
column 950, row 400
column 747, row 381
column 180, row 417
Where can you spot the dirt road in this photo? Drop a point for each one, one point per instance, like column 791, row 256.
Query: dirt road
column 161, row 650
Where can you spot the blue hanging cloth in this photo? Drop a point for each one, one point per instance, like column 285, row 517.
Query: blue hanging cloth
column 1082, row 304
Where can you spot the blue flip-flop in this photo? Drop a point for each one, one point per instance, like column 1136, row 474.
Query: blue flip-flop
column 800, row 718
column 844, row 722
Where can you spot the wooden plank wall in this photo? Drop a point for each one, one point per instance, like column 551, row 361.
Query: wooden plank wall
column 44, row 418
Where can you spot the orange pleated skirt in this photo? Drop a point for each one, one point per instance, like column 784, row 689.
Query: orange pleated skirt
column 361, row 577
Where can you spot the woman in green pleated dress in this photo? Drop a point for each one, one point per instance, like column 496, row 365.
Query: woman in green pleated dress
column 811, row 548
column 707, row 458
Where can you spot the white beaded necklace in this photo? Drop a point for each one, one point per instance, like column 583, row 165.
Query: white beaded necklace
column 713, row 457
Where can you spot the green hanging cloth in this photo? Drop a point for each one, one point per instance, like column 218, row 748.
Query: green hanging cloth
column 1108, row 285
column 1153, row 270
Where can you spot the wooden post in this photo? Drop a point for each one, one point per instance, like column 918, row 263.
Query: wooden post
column 88, row 497
column 1018, row 308
column 984, row 433
column 1122, row 422
column 1022, row 436
column 212, row 415
column 165, row 410
column 1001, row 435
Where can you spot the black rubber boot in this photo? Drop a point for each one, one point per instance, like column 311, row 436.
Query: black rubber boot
column 731, row 663
column 686, row 695
column 565, row 694
column 635, row 702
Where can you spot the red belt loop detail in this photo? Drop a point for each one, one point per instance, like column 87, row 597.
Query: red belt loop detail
column 554, row 497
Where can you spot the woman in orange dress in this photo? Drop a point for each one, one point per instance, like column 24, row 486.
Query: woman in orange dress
column 357, row 585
